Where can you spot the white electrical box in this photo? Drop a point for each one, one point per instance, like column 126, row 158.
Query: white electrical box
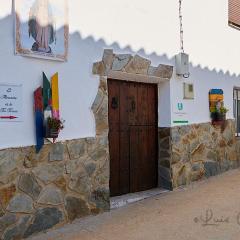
column 182, row 64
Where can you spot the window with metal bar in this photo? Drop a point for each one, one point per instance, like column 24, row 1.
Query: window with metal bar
column 236, row 109
column 234, row 13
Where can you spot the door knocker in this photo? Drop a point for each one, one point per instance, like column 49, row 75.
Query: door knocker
column 114, row 103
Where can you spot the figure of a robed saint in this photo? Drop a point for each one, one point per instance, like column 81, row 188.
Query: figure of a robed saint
column 42, row 26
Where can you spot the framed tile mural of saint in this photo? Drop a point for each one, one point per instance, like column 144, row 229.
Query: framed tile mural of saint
column 41, row 28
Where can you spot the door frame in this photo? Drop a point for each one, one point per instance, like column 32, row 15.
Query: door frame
column 139, row 70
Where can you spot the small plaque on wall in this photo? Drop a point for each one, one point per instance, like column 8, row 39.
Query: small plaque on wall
column 188, row 91
column 11, row 103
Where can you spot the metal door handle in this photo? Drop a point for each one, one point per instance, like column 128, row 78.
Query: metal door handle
column 133, row 105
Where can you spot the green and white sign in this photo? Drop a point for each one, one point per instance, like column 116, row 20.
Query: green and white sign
column 179, row 114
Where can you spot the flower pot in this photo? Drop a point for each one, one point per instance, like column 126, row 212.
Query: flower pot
column 51, row 133
column 216, row 116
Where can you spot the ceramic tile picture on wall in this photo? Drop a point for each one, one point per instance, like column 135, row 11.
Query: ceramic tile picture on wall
column 41, row 28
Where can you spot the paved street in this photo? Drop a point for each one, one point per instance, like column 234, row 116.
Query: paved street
column 207, row 210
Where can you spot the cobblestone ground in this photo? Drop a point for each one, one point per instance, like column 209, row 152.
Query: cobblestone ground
column 207, row 210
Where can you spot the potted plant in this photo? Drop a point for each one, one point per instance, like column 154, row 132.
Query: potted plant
column 223, row 112
column 53, row 127
column 215, row 115
column 218, row 115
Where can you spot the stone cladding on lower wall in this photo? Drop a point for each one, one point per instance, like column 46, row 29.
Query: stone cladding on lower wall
column 194, row 152
column 65, row 181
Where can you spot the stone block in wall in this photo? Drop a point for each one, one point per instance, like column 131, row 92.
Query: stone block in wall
column 61, row 183
column 100, row 110
column 98, row 68
column 44, row 219
column 31, row 155
column 100, row 154
column 98, row 100
column 165, row 163
column 176, row 156
column 164, row 132
column 101, row 198
column 76, row 208
column 212, row 168
column 165, row 178
column 231, row 153
column 162, row 71
column 197, row 149
column 6, row 194
column 7, row 220
column 108, row 58
column 76, row 148
column 181, row 174
column 235, row 164
column 51, row 195
column 225, row 165
column 90, row 168
column 29, row 185
column 212, row 155
column 152, row 70
column 17, row 231
column 103, row 85
column 120, row 61
column 175, row 136
column 20, row 203
column 49, row 173
column 101, row 118
column 138, row 65
column 73, row 165
column 164, row 143
column 79, row 181
column 57, row 152
column 238, row 147
column 228, row 133
column 31, row 159
column 102, row 175
column 165, row 154
column 10, row 159
column 164, row 158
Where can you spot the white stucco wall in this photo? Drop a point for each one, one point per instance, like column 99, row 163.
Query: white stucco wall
column 197, row 110
column 151, row 29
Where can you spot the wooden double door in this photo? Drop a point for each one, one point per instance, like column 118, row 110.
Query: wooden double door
column 132, row 136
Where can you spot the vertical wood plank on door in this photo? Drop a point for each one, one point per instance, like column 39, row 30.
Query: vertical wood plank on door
column 132, row 104
column 124, row 174
column 152, row 105
column 134, row 159
column 114, row 146
column 143, row 105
